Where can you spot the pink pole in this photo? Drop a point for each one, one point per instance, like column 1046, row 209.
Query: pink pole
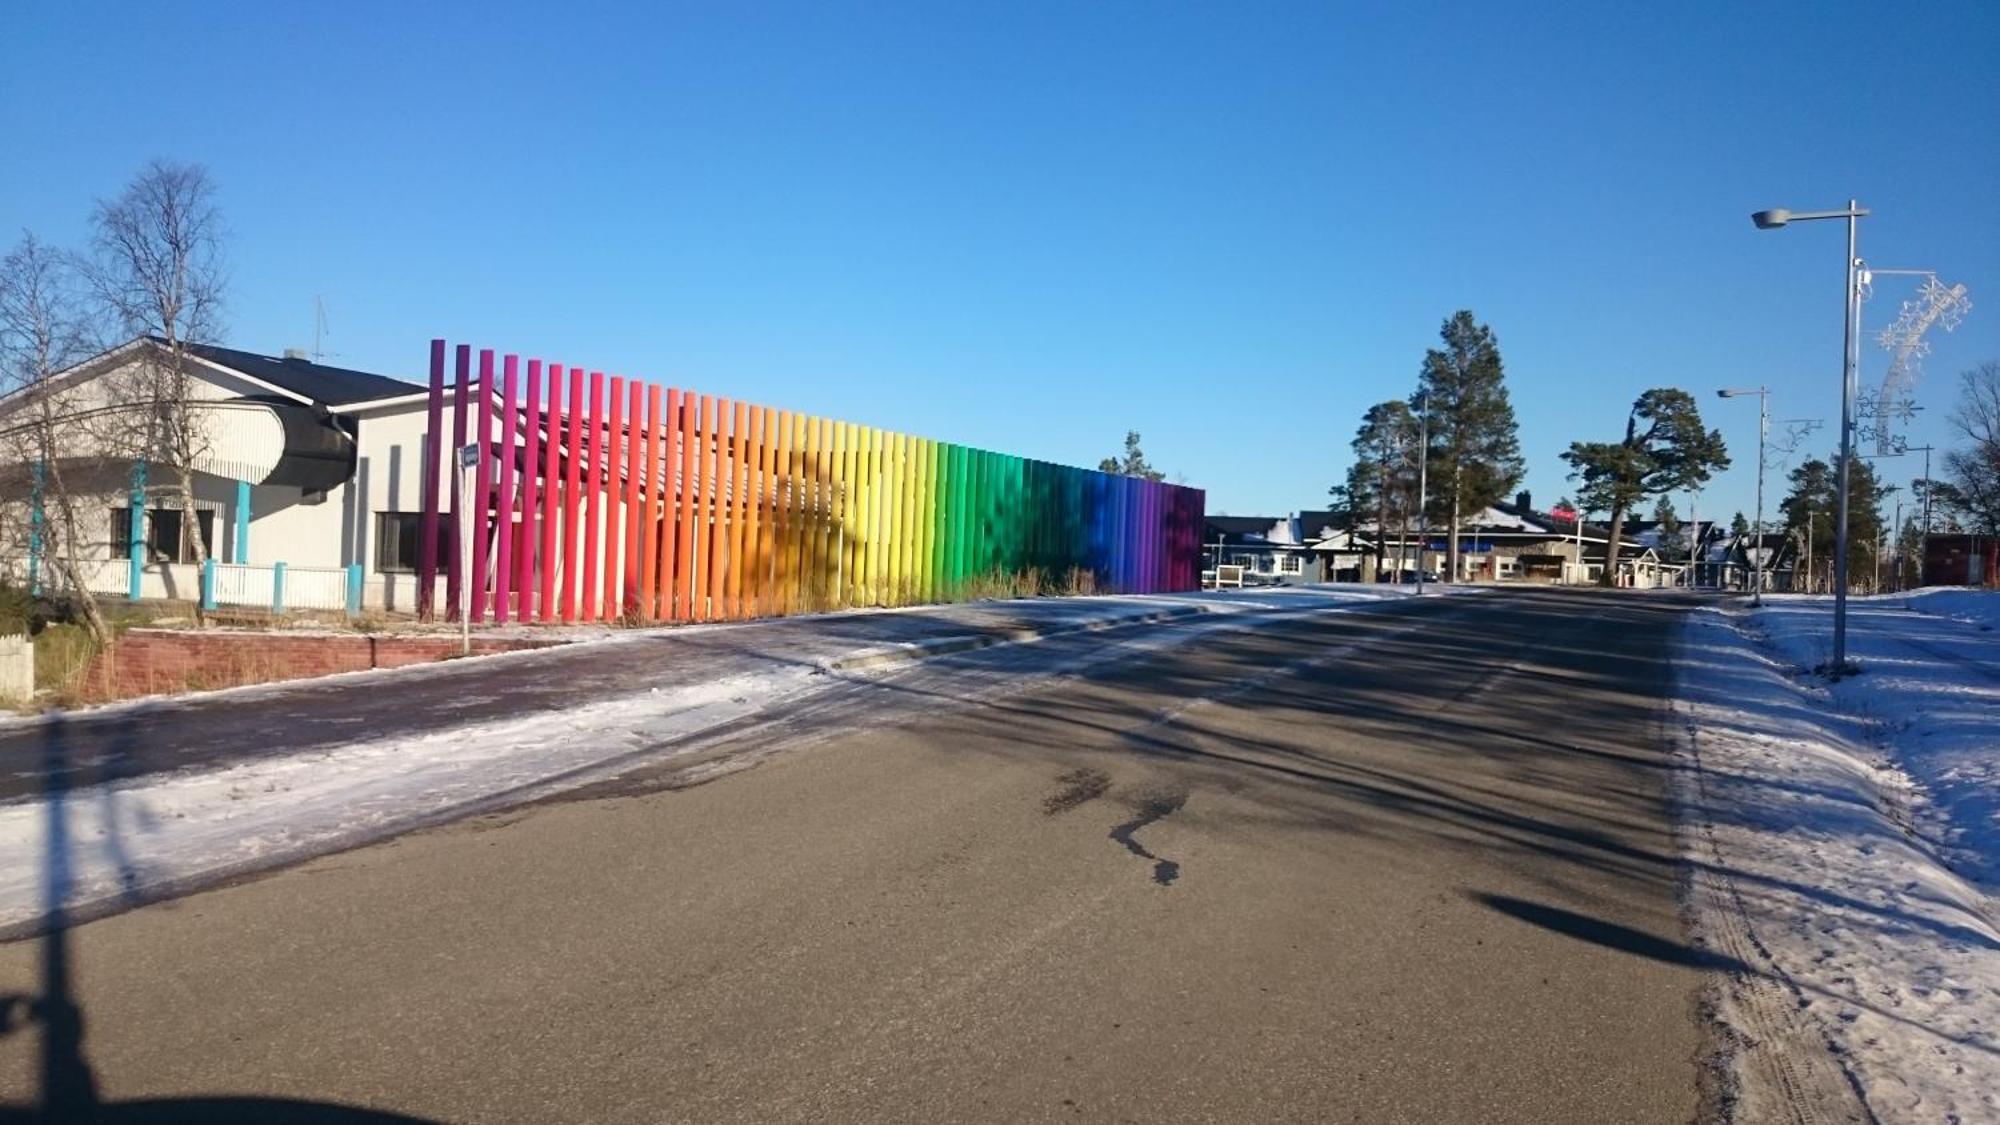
column 551, row 493
column 503, row 492
column 461, row 399
column 482, row 482
column 531, row 465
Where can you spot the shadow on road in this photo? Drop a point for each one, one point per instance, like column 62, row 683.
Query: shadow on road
column 66, row 1086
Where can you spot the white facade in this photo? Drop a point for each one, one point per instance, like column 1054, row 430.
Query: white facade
column 317, row 534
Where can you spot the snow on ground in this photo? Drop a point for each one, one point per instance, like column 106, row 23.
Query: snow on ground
column 92, row 850
column 1844, row 853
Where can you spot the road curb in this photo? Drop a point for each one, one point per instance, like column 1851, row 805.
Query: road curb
column 945, row 646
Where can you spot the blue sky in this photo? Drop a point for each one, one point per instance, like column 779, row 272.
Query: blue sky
column 1033, row 226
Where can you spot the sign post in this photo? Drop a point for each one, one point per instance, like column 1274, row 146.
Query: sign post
column 468, row 459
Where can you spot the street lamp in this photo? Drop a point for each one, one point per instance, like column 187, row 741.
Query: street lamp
column 1763, row 428
column 1849, row 376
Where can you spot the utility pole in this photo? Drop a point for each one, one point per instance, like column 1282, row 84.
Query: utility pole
column 1896, row 544
column 1763, row 431
column 1581, row 574
column 1924, row 532
column 1423, row 481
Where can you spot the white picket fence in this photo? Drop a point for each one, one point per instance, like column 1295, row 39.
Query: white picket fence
column 315, row 587
column 277, row 588
column 238, row 584
column 17, row 669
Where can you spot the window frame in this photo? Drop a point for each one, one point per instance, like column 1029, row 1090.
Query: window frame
column 158, row 520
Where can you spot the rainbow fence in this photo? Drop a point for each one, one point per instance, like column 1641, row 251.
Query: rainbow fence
column 608, row 498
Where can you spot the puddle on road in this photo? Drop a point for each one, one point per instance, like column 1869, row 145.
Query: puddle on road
column 1152, row 807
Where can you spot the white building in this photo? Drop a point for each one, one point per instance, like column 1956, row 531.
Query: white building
column 314, row 467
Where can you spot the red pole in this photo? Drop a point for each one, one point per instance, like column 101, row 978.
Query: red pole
column 593, row 495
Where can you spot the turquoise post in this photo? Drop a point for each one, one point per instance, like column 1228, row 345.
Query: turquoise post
column 277, row 587
column 208, row 583
column 242, row 521
column 353, row 589
column 137, row 546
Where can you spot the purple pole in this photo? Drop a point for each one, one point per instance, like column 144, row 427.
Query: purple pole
column 427, row 523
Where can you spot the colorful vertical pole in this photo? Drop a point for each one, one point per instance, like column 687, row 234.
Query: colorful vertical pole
column 770, row 600
column 503, row 492
column 649, row 518
column 551, row 495
column 531, row 467
column 635, row 402
column 461, row 403
column 709, row 519
column 673, row 552
column 613, row 524
column 739, row 515
column 482, row 483
column 685, row 541
column 427, row 520
column 573, row 478
column 593, row 496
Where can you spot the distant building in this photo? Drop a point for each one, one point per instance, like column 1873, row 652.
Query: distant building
column 1962, row 560
column 1270, row 549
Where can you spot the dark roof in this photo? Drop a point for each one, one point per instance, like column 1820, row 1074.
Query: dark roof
column 1319, row 524
column 330, row 386
column 1243, row 525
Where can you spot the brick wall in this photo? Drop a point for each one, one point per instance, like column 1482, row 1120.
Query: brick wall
column 156, row 661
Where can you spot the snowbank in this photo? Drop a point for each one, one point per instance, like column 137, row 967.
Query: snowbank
column 1837, row 836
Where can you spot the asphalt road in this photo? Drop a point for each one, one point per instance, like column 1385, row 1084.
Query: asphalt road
column 1407, row 865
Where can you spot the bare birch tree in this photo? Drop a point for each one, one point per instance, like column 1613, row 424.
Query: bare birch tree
column 156, row 264
column 43, row 332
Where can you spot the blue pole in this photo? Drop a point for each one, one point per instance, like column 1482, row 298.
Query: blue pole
column 277, row 587
column 208, row 583
column 35, row 518
column 137, row 545
column 242, row 521
column 353, row 589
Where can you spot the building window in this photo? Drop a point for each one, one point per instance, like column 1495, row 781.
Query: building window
column 1247, row 562
column 397, row 535
column 1291, row 564
column 166, row 540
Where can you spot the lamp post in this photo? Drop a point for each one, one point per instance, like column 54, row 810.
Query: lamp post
column 1849, row 376
column 1763, row 430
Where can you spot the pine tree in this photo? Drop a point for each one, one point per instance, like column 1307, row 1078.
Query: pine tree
column 1133, row 463
column 1665, row 448
column 1474, row 444
column 1810, row 511
column 1669, row 522
column 1383, row 478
